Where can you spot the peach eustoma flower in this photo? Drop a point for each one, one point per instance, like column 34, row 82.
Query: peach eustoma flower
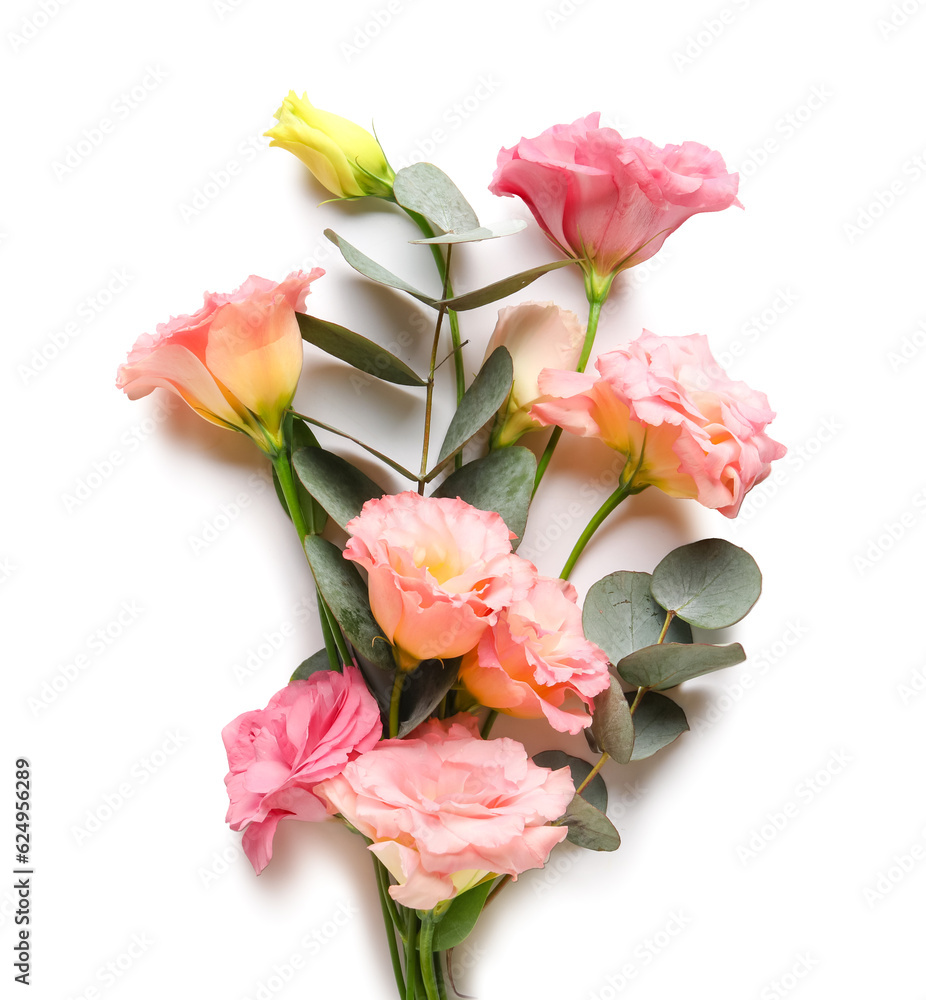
column 439, row 572
column 537, row 335
column 277, row 755
column 682, row 423
column 236, row 361
column 446, row 810
column 535, row 662
column 609, row 200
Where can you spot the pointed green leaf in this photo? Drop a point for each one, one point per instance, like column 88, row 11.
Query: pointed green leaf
column 589, row 827
column 668, row 664
column 317, row 661
column 502, row 481
column 597, row 791
column 612, row 723
column 498, row 289
column 338, row 486
column 711, row 583
column 657, row 722
column 375, row 272
column 461, row 917
column 346, row 594
column 480, row 402
column 362, row 354
column 427, row 190
column 424, row 690
column 620, row 615
column 507, row 228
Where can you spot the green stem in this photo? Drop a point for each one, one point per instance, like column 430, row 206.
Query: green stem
column 488, row 724
column 412, row 966
column 665, row 628
column 394, row 702
column 426, row 952
column 596, row 291
column 390, row 919
column 282, row 465
column 624, row 490
column 429, row 396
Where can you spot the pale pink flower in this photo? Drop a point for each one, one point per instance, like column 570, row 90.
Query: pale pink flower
column 236, row 361
column 535, row 662
column 277, row 755
column 439, row 572
column 608, row 199
column 681, row 422
column 447, row 810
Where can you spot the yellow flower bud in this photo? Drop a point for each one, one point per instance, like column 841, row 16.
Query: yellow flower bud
column 342, row 156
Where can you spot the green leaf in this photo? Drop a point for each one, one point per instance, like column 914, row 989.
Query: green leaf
column 461, row 916
column 317, row 661
column 657, row 721
column 596, row 793
column 376, row 272
column 312, row 510
column 424, row 690
column 711, row 583
column 620, row 615
column 346, row 594
column 589, row 827
column 362, row 354
column 480, row 402
column 668, row 664
column 502, row 481
column 507, row 228
column 427, row 190
column 339, row 487
column 498, row 289
column 612, row 723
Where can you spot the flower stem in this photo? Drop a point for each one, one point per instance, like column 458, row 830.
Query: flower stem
column 394, row 702
column 412, row 966
column 488, row 724
column 429, row 397
column 426, row 952
column 390, row 918
column 596, row 291
column 624, row 489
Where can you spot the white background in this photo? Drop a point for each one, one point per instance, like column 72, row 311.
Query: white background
column 812, row 294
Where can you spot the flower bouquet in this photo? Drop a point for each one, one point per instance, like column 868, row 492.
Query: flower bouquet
column 431, row 622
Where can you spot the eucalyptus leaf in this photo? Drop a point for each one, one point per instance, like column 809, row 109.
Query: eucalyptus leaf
column 423, row 690
column 427, row 190
column 668, row 664
column 317, row 661
column 375, row 272
column 480, row 402
column 612, row 724
column 657, row 722
column 501, row 481
column 346, row 594
column 338, row 486
column 357, row 351
column 711, row 583
column 461, row 916
column 620, row 615
column 596, row 793
column 498, row 289
column 589, row 827
column 507, row 228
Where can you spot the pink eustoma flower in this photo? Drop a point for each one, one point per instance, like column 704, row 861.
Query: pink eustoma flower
column 446, row 810
column 439, row 570
column 607, row 199
column 535, row 662
column 278, row 754
column 670, row 409
column 236, row 361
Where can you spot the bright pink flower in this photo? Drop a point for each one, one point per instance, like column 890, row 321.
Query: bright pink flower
column 447, row 810
column 537, row 335
column 612, row 200
column 439, row 572
column 236, row 361
column 666, row 404
column 277, row 755
column 535, row 662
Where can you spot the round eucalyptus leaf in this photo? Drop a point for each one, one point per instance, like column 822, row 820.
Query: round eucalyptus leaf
column 657, row 722
column 612, row 724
